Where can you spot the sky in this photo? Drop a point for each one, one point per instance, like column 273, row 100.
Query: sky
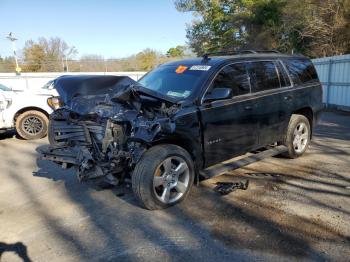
column 111, row 28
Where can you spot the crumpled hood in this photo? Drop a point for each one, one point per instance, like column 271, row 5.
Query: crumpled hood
column 70, row 87
column 85, row 94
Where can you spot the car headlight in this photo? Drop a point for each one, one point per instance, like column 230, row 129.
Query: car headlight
column 54, row 102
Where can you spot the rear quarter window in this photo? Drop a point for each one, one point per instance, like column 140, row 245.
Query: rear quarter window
column 301, row 71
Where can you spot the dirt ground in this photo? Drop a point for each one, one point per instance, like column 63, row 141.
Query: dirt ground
column 293, row 210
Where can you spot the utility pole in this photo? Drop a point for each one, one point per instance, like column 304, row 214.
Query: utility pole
column 67, row 68
column 63, row 66
column 105, row 62
column 13, row 39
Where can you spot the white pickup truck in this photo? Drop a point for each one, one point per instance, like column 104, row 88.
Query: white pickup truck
column 26, row 111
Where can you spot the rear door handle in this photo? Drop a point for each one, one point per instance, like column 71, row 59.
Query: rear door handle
column 287, row 98
column 248, row 108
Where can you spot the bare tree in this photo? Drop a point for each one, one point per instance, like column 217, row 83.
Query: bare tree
column 47, row 54
column 327, row 27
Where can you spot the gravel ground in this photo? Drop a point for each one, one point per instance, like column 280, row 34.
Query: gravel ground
column 292, row 210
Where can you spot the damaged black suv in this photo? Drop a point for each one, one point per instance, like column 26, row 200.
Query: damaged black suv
column 181, row 118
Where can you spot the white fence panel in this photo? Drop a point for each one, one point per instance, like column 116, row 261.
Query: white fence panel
column 38, row 80
column 334, row 73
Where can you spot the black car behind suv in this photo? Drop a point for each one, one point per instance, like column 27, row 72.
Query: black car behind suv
column 181, row 118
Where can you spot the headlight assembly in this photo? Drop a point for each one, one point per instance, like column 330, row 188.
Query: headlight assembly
column 54, row 102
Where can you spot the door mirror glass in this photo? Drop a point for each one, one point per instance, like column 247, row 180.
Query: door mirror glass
column 220, row 93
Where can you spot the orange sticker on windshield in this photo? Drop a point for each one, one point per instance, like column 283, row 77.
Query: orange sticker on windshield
column 180, row 69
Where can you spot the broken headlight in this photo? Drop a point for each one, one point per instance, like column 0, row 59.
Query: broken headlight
column 54, row 102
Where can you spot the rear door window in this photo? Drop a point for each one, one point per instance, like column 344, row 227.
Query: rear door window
column 234, row 76
column 263, row 75
column 301, row 71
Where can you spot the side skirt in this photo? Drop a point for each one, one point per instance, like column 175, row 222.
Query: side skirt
column 233, row 164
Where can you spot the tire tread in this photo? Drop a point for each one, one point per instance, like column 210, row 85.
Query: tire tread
column 141, row 174
column 31, row 112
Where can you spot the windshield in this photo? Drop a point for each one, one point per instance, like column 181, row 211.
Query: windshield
column 48, row 85
column 175, row 81
column 4, row 88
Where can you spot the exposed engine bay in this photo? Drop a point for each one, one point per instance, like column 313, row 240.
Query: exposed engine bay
column 105, row 125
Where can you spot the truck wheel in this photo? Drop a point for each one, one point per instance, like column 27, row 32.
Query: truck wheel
column 32, row 125
column 163, row 177
column 298, row 136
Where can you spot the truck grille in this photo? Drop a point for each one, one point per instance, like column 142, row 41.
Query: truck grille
column 76, row 133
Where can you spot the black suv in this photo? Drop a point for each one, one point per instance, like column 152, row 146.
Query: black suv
column 182, row 118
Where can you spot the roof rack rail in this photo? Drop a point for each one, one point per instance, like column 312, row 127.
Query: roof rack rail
column 268, row 51
column 237, row 52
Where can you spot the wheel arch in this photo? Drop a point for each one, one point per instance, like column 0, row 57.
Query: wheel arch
column 29, row 108
column 187, row 145
column 308, row 113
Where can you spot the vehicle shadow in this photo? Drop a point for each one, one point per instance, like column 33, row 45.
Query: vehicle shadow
column 251, row 225
column 18, row 248
column 7, row 134
column 10, row 134
column 247, row 223
column 333, row 125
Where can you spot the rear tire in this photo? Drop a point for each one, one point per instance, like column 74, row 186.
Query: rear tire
column 163, row 177
column 32, row 125
column 298, row 136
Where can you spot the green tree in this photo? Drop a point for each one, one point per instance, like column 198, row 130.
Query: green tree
column 147, row 59
column 34, row 57
column 313, row 27
column 178, row 51
column 227, row 24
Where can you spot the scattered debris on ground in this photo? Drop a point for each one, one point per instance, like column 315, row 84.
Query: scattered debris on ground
column 225, row 188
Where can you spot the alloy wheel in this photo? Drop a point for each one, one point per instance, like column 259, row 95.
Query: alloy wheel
column 32, row 125
column 301, row 137
column 171, row 179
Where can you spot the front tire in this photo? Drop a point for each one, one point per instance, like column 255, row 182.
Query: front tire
column 163, row 177
column 32, row 125
column 298, row 136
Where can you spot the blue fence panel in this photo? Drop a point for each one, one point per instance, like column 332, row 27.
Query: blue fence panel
column 334, row 73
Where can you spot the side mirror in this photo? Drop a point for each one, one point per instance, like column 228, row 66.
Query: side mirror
column 219, row 93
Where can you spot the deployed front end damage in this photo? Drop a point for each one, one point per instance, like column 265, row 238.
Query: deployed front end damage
column 105, row 125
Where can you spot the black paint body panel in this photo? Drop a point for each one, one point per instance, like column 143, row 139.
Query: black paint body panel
column 217, row 131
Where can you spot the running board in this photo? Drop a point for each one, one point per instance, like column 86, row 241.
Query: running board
column 230, row 165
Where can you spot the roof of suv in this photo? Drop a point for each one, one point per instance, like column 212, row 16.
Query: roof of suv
column 216, row 60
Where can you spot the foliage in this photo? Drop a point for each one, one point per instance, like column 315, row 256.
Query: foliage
column 313, row 27
column 327, row 27
column 147, row 59
column 178, row 51
column 55, row 55
column 7, row 64
column 46, row 54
